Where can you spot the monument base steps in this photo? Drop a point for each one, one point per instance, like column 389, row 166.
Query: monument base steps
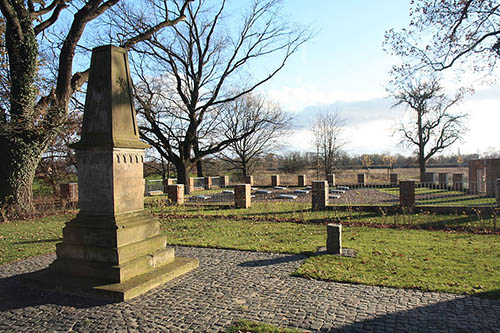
column 117, row 292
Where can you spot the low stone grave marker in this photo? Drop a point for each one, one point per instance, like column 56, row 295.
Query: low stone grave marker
column 280, row 188
column 287, row 196
column 155, row 193
column 343, row 188
column 334, row 196
column 337, row 191
column 302, row 191
column 228, row 192
column 202, row 197
column 263, row 192
column 334, row 238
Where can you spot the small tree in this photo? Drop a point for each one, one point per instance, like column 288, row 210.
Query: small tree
column 430, row 127
column 267, row 124
column 328, row 132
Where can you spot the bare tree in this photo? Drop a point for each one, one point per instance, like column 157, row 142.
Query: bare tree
column 34, row 114
column 430, row 126
column 447, row 33
column 202, row 60
column 328, row 130
column 242, row 115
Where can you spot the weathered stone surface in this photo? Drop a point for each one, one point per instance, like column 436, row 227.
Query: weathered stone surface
column 361, row 179
column 275, row 180
column 112, row 240
column 249, row 180
column 394, row 179
column 301, row 180
column 407, row 195
column 176, row 194
column 331, row 179
column 319, row 194
column 231, row 285
column 334, row 238
column 242, row 196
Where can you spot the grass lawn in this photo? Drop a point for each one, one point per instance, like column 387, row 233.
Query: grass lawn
column 301, row 212
column 23, row 239
column 402, row 258
column 426, row 260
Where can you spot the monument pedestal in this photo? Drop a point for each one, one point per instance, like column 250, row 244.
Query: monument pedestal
column 112, row 249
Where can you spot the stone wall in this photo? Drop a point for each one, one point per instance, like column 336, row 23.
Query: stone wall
column 176, row 194
column 319, row 194
column 242, row 196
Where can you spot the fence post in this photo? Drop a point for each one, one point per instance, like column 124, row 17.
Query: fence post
column 224, row 181
column 394, row 180
column 301, row 180
column 361, row 179
column 458, row 180
column 242, row 196
column 176, row 194
column 249, row 180
column 208, row 183
column 191, row 184
column 331, row 179
column 68, row 194
column 319, row 194
column 275, row 180
column 407, row 196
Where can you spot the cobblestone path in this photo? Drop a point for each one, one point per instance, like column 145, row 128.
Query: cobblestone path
column 231, row 285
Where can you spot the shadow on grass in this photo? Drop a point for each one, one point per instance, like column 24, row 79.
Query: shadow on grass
column 41, row 241
column 274, row 261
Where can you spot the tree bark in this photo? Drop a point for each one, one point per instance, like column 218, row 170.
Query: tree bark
column 183, row 174
column 17, row 171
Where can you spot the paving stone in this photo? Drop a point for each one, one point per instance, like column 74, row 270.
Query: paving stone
column 231, row 285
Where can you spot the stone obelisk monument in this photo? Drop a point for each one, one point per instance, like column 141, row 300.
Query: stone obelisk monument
column 112, row 248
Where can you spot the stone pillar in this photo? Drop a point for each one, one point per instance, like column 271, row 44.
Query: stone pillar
column 331, row 179
column 362, row 179
column 176, row 194
column 208, row 183
column 319, row 194
column 301, row 180
column 166, row 182
column 249, row 180
column 430, row 177
column 275, row 180
column 191, row 184
column 407, row 195
column 334, row 239
column 112, row 248
column 68, row 193
column 394, row 180
column 224, row 181
column 458, row 181
column 242, row 196
column 497, row 191
column 443, row 180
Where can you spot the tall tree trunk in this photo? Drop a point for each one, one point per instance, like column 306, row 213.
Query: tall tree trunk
column 183, row 174
column 17, row 172
column 199, row 168
column 244, row 168
column 421, row 166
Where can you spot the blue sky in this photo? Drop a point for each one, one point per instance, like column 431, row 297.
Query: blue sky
column 345, row 69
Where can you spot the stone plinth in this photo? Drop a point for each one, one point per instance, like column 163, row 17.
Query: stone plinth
column 69, row 192
column 334, row 239
column 190, row 186
column 275, row 180
column 249, row 180
column 443, row 180
column 208, row 183
column 224, row 181
column 319, row 194
column 394, row 179
column 331, row 179
column 176, row 194
column 407, row 195
column 112, row 248
column 458, row 181
column 242, row 196
column 301, row 180
column 361, row 179
column 430, row 177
